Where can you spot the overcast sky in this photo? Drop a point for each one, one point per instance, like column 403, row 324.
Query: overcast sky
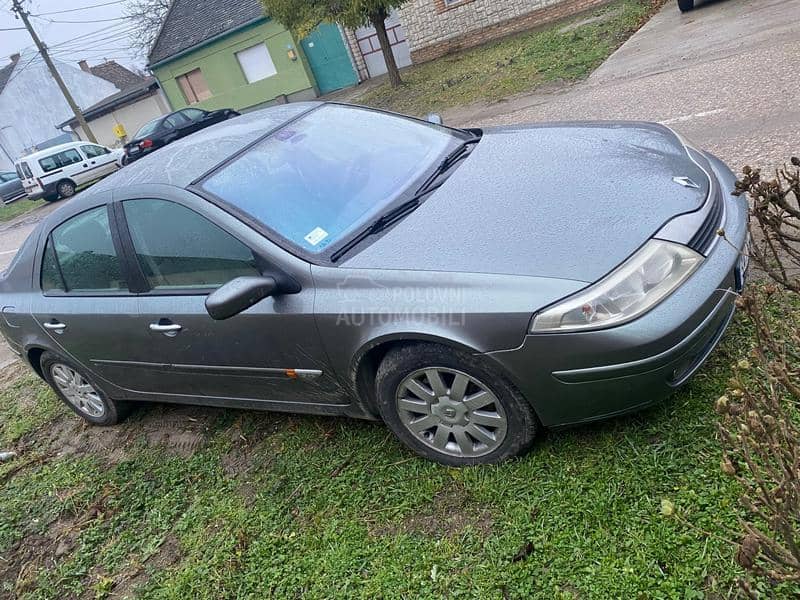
column 104, row 33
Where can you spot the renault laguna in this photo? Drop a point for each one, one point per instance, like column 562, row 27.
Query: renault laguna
column 466, row 287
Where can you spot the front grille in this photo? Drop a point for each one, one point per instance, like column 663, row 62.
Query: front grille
column 705, row 236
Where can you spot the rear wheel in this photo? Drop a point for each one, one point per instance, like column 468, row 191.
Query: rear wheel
column 65, row 189
column 78, row 391
column 451, row 407
column 685, row 5
column 51, row 197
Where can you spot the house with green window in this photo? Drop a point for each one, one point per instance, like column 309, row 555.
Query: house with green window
column 221, row 54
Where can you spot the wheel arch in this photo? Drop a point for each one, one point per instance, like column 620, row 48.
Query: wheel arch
column 34, row 356
column 364, row 365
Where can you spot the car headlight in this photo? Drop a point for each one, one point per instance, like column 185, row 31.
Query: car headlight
column 645, row 279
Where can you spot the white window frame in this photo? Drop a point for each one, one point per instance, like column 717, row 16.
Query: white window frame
column 253, row 64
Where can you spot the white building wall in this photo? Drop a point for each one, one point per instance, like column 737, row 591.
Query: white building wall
column 31, row 105
column 132, row 117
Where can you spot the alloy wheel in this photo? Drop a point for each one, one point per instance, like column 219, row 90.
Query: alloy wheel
column 451, row 412
column 78, row 392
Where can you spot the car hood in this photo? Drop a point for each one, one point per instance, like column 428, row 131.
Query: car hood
column 567, row 201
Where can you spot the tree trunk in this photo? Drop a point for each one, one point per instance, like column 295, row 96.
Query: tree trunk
column 378, row 19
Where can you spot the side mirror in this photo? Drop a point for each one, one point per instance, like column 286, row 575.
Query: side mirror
column 239, row 295
column 434, row 118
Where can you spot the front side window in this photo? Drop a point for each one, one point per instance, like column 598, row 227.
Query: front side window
column 180, row 249
column 194, row 86
column 329, row 172
column 60, row 160
column 94, row 151
column 80, row 256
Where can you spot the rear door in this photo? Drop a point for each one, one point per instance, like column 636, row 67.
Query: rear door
column 85, row 305
column 29, row 183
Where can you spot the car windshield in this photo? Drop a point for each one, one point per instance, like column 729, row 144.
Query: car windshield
column 325, row 175
column 148, row 128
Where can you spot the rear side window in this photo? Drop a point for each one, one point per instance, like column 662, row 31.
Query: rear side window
column 80, row 256
column 60, row 160
column 180, row 249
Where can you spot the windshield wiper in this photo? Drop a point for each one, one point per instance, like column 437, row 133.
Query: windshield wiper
column 452, row 158
column 385, row 221
column 410, row 205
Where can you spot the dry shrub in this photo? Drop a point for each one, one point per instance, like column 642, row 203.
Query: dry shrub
column 760, row 420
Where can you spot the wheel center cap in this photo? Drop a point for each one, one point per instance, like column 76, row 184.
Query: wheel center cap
column 450, row 412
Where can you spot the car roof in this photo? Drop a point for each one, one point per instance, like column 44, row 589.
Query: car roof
column 185, row 160
column 52, row 150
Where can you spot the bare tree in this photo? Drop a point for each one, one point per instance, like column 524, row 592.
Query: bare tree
column 146, row 18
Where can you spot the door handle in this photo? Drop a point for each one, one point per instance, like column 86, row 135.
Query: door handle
column 55, row 326
column 170, row 329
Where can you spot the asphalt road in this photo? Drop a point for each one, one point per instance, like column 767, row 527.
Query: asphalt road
column 726, row 75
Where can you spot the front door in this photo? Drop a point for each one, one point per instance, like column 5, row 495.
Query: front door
column 99, row 161
column 329, row 59
column 270, row 353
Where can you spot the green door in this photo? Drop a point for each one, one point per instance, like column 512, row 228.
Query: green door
column 328, row 58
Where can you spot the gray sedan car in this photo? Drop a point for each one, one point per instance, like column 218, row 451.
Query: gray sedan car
column 10, row 187
column 467, row 287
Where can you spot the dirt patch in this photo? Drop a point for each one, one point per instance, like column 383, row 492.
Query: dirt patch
column 448, row 515
column 178, row 430
column 247, row 436
column 127, row 583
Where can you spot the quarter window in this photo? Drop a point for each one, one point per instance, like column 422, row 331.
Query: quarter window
column 80, row 256
column 179, row 249
column 60, row 160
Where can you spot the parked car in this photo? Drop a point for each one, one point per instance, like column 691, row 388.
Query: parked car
column 58, row 171
column 165, row 130
column 685, row 5
column 10, row 187
column 467, row 287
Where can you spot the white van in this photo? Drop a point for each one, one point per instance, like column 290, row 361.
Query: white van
column 56, row 172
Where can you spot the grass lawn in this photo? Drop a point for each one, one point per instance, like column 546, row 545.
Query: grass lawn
column 182, row 502
column 515, row 64
column 17, row 208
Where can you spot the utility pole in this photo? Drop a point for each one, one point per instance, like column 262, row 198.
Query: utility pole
column 16, row 6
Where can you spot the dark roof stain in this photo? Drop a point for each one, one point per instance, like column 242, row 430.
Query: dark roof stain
column 5, row 75
column 114, row 72
column 189, row 23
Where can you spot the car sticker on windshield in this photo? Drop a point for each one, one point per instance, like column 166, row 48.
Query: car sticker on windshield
column 316, row 236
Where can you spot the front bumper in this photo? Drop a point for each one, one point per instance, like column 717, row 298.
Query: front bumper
column 577, row 377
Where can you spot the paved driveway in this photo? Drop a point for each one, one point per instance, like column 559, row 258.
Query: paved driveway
column 726, row 75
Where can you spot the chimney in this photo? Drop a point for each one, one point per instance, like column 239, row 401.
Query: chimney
column 14, row 58
column 84, row 66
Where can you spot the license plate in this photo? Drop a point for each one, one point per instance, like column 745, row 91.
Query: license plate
column 133, row 151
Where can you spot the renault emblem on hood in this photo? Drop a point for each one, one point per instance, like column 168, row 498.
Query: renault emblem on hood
column 686, row 182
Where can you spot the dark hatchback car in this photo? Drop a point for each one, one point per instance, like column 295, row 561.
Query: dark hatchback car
column 467, row 287
column 165, row 130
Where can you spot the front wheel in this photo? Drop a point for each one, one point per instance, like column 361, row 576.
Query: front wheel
column 78, row 391
column 685, row 5
column 451, row 407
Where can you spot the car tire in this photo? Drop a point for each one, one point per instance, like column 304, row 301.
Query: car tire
column 496, row 425
column 685, row 5
column 51, row 197
column 82, row 395
column 65, row 189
